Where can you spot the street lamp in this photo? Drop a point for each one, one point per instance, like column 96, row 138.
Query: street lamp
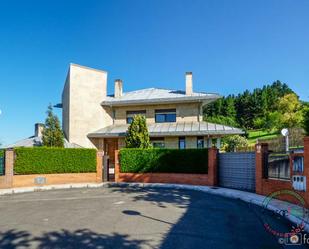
column 285, row 133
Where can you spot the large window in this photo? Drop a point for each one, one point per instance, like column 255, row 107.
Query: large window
column 200, row 142
column 165, row 115
column 157, row 142
column 130, row 115
column 182, row 143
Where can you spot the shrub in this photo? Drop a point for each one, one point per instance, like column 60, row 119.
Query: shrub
column 1, row 153
column 231, row 143
column 164, row 160
column 43, row 160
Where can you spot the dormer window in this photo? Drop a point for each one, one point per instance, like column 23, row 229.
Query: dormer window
column 165, row 115
column 130, row 115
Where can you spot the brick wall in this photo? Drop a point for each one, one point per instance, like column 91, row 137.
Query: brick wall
column 266, row 186
column 9, row 180
column 209, row 179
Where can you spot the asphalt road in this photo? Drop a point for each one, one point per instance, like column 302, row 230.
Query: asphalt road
column 133, row 218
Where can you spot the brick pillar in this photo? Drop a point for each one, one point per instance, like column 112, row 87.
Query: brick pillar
column 260, row 150
column 117, row 166
column 213, row 166
column 9, row 167
column 99, row 175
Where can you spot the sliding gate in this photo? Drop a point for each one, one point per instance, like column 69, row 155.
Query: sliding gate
column 237, row 170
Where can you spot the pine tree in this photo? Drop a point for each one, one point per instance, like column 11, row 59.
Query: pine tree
column 52, row 133
column 137, row 135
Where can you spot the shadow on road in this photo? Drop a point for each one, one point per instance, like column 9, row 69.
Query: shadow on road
column 208, row 221
column 65, row 239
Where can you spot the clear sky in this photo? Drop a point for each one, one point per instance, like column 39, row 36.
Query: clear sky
column 228, row 45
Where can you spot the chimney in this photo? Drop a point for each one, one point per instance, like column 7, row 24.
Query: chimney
column 118, row 89
column 38, row 128
column 189, row 84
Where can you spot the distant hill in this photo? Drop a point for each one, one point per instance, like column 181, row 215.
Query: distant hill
column 246, row 109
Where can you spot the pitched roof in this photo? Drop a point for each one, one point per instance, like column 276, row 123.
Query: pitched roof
column 171, row 129
column 37, row 141
column 158, row 95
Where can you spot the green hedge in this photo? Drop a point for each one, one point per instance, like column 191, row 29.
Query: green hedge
column 1, row 153
column 42, row 160
column 164, row 161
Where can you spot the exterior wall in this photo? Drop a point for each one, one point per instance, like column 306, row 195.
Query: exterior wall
column 209, row 179
column 9, row 180
column 184, row 112
column 84, row 90
column 266, row 186
column 170, row 142
column 51, row 179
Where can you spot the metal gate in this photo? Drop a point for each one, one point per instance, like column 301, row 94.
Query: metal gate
column 237, row 170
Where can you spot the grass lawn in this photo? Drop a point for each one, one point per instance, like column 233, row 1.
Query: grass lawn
column 261, row 134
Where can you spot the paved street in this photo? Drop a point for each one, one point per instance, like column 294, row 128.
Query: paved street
column 132, row 218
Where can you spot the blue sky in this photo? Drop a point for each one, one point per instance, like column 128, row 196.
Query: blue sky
column 229, row 46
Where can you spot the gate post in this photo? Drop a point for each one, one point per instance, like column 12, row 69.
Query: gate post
column 260, row 151
column 213, row 166
column 99, row 174
column 117, row 167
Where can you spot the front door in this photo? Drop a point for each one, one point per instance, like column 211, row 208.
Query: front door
column 110, row 145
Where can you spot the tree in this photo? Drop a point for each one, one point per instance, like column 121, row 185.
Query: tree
column 231, row 143
column 137, row 135
column 306, row 120
column 52, row 133
column 291, row 110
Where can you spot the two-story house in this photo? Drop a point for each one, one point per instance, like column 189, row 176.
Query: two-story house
column 91, row 118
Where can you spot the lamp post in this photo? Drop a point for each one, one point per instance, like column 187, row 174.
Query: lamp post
column 285, row 133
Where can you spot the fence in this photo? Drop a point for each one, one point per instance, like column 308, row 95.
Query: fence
column 278, row 165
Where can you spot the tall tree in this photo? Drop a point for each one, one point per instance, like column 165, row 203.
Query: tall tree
column 137, row 135
column 52, row 133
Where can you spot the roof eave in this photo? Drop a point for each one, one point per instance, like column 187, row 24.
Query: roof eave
column 189, row 99
column 170, row 134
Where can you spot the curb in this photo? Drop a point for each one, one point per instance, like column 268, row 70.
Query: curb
column 50, row 187
column 224, row 192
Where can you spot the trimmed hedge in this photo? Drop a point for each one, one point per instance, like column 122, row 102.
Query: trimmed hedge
column 43, row 160
column 194, row 161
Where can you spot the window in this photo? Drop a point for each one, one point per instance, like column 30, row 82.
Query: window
column 182, row 143
column 157, row 142
column 200, row 142
column 165, row 115
column 130, row 115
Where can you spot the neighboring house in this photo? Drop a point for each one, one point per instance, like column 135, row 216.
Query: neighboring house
column 91, row 118
column 36, row 140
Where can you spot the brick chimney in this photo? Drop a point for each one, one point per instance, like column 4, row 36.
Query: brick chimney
column 38, row 128
column 189, row 83
column 118, row 88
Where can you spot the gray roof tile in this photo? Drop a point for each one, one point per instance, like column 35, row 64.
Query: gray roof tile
column 158, row 95
column 171, row 129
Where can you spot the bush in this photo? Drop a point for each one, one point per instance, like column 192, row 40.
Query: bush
column 232, row 143
column 43, row 160
column 164, row 161
column 1, row 153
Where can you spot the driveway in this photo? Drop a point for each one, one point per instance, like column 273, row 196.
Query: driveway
column 132, row 218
